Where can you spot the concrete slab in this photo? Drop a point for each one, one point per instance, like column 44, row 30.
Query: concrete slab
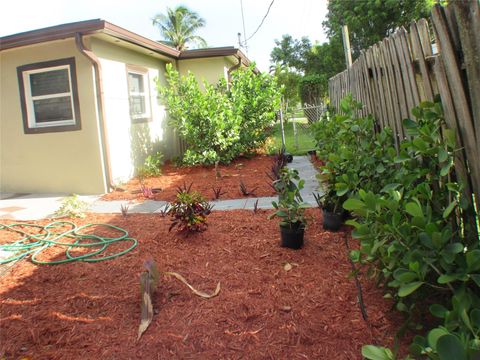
column 307, row 172
column 34, row 206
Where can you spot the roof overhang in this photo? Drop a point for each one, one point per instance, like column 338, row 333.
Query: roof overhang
column 99, row 26
column 88, row 27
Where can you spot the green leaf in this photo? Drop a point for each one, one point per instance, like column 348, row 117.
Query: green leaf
column 447, row 278
column 414, row 209
column 449, row 209
column 449, row 347
column 380, row 168
column 406, row 276
column 445, row 169
column 449, row 136
column 455, row 248
column 438, row 310
column 442, row 155
column 341, row 188
column 475, row 317
column 476, row 278
column 355, row 255
column 353, row 204
column 407, row 289
column 401, row 158
column 434, row 335
column 372, row 352
column 389, row 187
column 409, row 124
column 473, row 260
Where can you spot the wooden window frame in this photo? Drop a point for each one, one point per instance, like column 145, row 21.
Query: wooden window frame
column 30, row 126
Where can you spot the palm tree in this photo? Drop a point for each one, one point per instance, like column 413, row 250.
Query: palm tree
column 178, row 27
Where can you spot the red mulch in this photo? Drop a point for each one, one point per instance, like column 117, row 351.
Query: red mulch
column 252, row 171
column 91, row 311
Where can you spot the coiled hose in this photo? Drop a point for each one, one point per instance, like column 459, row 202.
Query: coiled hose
column 35, row 244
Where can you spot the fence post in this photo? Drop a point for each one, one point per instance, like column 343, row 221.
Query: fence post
column 346, row 46
column 282, row 128
column 295, row 136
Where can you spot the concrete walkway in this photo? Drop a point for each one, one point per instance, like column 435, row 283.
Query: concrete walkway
column 34, row 207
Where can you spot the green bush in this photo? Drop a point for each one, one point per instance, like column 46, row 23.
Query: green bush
column 219, row 123
column 256, row 98
column 151, row 166
column 413, row 221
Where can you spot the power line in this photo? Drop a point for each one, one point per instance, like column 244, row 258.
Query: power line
column 261, row 23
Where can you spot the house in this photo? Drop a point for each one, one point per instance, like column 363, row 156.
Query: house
column 79, row 104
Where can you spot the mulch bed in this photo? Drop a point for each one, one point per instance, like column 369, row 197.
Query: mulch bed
column 251, row 171
column 91, row 311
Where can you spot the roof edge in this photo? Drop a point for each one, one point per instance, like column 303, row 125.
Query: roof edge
column 92, row 26
column 51, row 33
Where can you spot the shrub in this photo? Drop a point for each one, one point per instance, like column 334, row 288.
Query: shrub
column 189, row 211
column 219, row 123
column 151, row 166
column 72, row 206
column 413, row 221
column 256, row 98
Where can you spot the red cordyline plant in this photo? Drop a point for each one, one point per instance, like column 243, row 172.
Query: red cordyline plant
column 147, row 191
column 189, row 211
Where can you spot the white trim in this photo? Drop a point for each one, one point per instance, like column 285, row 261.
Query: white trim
column 29, row 99
column 145, row 94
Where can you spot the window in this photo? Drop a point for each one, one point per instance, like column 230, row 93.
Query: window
column 138, row 95
column 49, row 96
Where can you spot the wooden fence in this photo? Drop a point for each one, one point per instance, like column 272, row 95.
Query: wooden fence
column 396, row 74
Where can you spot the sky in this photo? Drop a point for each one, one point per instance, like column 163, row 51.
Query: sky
column 223, row 19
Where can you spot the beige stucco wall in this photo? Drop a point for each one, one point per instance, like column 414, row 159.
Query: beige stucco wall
column 131, row 142
column 62, row 162
column 210, row 70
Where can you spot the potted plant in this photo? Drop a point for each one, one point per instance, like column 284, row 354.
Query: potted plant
column 331, row 206
column 290, row 208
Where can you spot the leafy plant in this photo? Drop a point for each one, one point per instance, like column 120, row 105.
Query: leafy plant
column 244, row 190
column 163, row 211
column 413, row 221
column 222, row 121
column 255, row 207
column 147, row 191
column 72, row 206
column 151, row 166
column 124, row 209
column 279, row 162
column 290, row 208
column 217, row 192
column 189, row 211
column 330, row 201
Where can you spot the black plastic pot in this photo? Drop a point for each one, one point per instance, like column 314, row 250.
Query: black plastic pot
column 289, row 157
column 332, row 221
column 292, row 237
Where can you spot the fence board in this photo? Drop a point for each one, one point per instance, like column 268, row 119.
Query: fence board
column 461, row 105
column 394, row 75
column 419, row 56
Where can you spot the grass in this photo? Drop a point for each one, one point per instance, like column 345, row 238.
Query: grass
column 305, row 141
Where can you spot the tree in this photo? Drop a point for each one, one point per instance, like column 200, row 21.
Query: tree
column 289, row 80
column 178, row 27
column 369, row 21
column 291, row 52
column 317, row 63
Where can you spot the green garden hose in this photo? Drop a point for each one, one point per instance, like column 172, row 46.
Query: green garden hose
column 35, row 244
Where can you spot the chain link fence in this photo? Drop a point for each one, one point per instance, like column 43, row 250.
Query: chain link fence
column 297, row 133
